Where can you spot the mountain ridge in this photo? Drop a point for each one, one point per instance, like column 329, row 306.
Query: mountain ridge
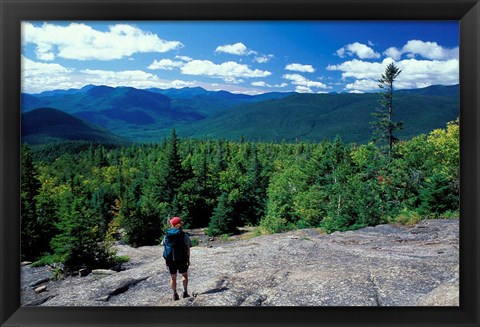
column 47, row 125
column 316, row 117
column 149, row 115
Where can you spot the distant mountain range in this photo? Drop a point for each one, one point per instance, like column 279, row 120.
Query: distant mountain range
column 140, row 114
column 148, row 115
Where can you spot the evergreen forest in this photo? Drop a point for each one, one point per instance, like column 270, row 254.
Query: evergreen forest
column 76, row 198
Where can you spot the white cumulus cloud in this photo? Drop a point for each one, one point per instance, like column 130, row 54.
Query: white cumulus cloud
column 421, row 73
column 183, row 58
column 230, row 71
column 303, row 89
column 362, row 85
column 78, row 41
column 165, row 64
column 304, row 85
column 264, row 84
column 360, row 50
column 262, row 59
column 359, row 69
column 300, row 68
column 39, row 76
column 133, row 78
column 238, row 49
column 130, row 78
column 241, row 49
column 393, row 53
column 259, row 83
column 177, row 84
column 427, row 50
column 415, row 73
column 32, row 68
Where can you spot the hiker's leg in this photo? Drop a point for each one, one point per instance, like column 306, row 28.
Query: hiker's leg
column 173, row 282
column 185, row 280
column 185, row 284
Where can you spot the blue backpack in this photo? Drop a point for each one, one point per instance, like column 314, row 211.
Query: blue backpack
column 175, row 247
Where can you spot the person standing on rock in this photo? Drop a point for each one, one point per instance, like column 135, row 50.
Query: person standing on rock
column 176, row 253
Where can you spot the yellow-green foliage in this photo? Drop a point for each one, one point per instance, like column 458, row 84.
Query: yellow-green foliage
column 446, row 148
column 224, row 238
column 406, row 217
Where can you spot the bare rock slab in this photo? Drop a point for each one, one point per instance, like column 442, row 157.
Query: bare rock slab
column 386, row 265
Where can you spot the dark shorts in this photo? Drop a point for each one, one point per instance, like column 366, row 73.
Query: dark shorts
column 174, row 266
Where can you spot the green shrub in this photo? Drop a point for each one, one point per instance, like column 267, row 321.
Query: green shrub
column 407, row 217
column 258, row 232
column 195, row 241
column 450, row 214
column 224, row 238
column 120, row 259
column 47, row 260
column 58, row 273
column 222, row 221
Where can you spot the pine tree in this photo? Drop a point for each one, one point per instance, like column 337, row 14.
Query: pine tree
column 255, row 191
column 172, row 173
column 30, row 185
column 222, row 221
column 130, row 214
column 102, row 201
column 384, row 126
column 219, row 159
column 203, row 196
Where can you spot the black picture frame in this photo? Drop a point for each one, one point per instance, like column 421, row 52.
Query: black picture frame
column 467, row 12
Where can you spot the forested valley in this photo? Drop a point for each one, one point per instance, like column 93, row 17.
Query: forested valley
column 77, row 198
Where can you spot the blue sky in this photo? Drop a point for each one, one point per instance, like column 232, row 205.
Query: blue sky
column 243, row 57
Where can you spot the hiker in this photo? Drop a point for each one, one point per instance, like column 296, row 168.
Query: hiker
column 176, row 253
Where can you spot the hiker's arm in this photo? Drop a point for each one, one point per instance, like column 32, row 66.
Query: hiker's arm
column 188, row 244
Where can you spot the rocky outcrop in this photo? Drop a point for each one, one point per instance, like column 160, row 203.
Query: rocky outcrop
column 385, row 265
